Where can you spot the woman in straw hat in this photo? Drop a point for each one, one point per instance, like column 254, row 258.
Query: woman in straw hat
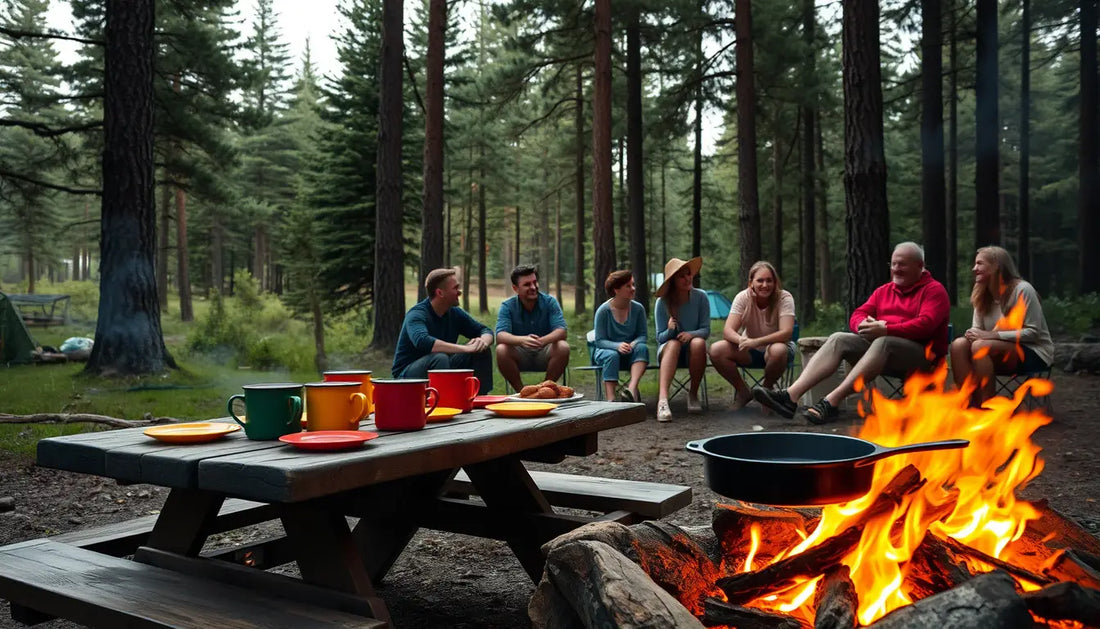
column 993, row 345
column 621, row 336
column 757, row 332
column 682, row 316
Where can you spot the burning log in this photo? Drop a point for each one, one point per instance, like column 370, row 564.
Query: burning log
column 716, row 613
column 742, row 588
column 962, row 550
column 1066, row 601
column 904, row 483
column 1058, row 531
column 988, row 601
column 733, row 521
column 1075, row 566
column 836, row 601
column 606, row 589
column 675, row 562
column 548, row 609
column 934, row 569
column 615, row 535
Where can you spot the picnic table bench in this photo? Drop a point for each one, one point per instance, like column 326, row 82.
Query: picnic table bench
column 42, row 309
column 346, row 517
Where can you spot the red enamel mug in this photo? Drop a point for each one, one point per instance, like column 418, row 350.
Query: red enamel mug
column 457, row 387
column 403, row 404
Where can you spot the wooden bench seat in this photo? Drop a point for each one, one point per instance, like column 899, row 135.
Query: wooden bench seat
column 123, row 538
column 99, row 590
column 591, row 493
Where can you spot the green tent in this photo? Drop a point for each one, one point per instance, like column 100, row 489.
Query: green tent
column 15, row 341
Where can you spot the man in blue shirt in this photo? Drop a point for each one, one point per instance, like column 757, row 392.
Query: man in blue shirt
column 530, row 331
column 429, row 335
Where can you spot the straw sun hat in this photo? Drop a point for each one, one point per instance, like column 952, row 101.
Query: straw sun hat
column 674, row 266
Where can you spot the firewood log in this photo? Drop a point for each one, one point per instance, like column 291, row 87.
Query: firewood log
column 988, row 601
column 836, row 601
column 548, row 609
column 1066, row 601
column 934, row 569
column 716, row 613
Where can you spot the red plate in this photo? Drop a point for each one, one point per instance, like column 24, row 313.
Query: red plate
column 328, row 439
column 482, row 401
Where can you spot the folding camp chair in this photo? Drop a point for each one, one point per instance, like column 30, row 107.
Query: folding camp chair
column 678, row 383
column 757, row 364
column 1006, row 385
column 893, row 383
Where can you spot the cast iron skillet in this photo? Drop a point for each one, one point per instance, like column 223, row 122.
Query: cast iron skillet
column 796, row 468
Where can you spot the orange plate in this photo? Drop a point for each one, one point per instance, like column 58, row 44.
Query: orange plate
column 482, row 401
column 522, row 409
column 442, row 414
column 199, row 432
column 554, row 400
column 328, row 439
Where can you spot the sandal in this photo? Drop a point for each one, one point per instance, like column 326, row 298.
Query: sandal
column 821, row 413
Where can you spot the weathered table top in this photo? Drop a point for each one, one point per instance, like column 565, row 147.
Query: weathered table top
column 270, row 471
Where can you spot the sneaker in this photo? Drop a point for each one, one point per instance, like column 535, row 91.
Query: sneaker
column 777, row 400
column 693, row 404
column 663, row 412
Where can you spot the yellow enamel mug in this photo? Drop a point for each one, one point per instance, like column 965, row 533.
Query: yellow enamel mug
column 334, row 405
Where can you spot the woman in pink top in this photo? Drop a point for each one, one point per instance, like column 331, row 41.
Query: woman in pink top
column 757, row 333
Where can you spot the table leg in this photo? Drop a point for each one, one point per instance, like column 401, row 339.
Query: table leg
column 185, row 521
column 328, row 555
column 505, row 485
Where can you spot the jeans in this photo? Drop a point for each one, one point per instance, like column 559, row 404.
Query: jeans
column 612, row 361
column 481, row 363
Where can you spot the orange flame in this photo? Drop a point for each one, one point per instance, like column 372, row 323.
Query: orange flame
column 1014, row 320
column 980, row 481
column 754, row 531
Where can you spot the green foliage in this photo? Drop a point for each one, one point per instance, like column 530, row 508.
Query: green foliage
column 1072, row 316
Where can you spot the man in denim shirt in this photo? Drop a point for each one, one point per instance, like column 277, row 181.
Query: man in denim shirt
column 531, row 333
column 429, row 335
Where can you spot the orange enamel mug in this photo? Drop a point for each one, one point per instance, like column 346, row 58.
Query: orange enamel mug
column 334, row 405
column 362, row 376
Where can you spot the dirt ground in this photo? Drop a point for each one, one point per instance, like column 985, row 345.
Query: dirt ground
column 445, row 580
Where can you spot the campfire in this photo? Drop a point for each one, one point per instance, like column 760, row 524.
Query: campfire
column 939, row 532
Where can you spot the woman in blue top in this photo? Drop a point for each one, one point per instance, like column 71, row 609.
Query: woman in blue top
column 682, row 316
column 621, row 336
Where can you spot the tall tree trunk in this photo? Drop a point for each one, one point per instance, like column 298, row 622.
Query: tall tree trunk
column 987, row 217
column 545, row 244
column 389, row 286
column 128, row 337
column 748, row 199
column 1023, row 252
column 578, row 186
column 635, row 166
column 808, row 240
column 867, row 218
column 824, row 254
column 952, row 231
column 162, row 244
column 697, row 181
column 777, row 200
column 557, row 250
column 32, row 272
column 468, row 240
column 1088, row 205
column 664, row 216
column 431, row 224
column 217, row 244
column 621, row 245
column 515, row 252
column 482, row 275
column 448, row 245
column 183, row 274
column 603, row 221
column 933, row 212
column 320, row 358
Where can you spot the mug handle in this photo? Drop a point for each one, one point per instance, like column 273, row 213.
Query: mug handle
column 475, row 386
column 229, row 407
column 295, row 412
column 358, row 402
column 431, row 400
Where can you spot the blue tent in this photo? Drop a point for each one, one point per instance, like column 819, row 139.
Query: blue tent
column 719, row 305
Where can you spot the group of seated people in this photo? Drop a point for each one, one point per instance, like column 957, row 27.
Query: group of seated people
column 900, row 329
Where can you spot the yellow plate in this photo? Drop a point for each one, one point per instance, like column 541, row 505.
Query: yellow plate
column 522, row 409
column 191, row 433
column 443, row 413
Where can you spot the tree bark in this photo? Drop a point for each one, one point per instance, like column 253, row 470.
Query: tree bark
column 482, row 274
column 697, row 181
column 867, row 218
column 635, row 167
column 603, row 220
column 128, row 337
column 162, row 245
column 747, row 194
column 777, row 201
column 1088, row 204
column 578, row 167
column 952, row 231
column 557, row 250
column 987, row 217
column 808, row 241
column 824, row 254
column 389, row 288
column 933, row 212
column 183, row 273
column 431, row 222
column 1023, row 244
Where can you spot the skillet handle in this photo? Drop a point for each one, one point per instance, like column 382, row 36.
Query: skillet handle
column 949, row 444
column 694, row 446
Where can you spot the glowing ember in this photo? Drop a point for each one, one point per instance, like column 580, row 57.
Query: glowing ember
column 975, row 486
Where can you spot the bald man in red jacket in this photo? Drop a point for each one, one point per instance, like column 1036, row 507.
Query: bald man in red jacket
column 901, row 328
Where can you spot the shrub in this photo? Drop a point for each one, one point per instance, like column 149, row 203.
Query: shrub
column 1072, row 316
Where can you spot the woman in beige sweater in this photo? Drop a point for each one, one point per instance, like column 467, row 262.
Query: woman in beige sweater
column 994, row 344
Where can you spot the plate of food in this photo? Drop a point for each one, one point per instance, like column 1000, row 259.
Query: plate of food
column 546, row 391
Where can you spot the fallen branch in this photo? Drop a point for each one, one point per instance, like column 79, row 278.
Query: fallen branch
column 76, row 418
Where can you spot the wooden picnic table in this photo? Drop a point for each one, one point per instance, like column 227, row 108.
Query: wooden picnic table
column 394, row 484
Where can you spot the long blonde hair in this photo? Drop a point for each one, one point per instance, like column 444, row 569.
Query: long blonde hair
column 1000, row 284
column 773, row 299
